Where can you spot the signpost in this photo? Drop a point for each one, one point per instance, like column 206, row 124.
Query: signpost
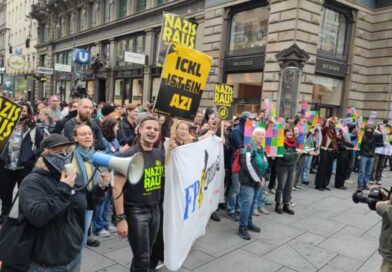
column 44, row 70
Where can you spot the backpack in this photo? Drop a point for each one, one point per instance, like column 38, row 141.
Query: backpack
column 236, row 165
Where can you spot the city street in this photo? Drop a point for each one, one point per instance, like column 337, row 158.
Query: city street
column 328, row 233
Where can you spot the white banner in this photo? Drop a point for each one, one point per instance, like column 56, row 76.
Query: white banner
column 194, row 185
column 134, row 58
column 62, row 67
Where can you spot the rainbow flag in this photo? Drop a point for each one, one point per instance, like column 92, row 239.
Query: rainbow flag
column 269, row 107
column 361, row 123
column 274, row 140
column 352, row 112
column 301, row 136
column 312, row 116
column 304, row 108
column 248, row 129
column 281, row 120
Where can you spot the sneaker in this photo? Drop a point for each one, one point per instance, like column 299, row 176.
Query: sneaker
column 103, row 233
column 297, row 187
column 254, row 228
column 243, row 233
column 294, row 189
column 271, row 191
column 263, row 210
column 92, row 242
column 233, row 217
column 256, row 212
column 112, row 229
column 292, row 204
column 215, row 217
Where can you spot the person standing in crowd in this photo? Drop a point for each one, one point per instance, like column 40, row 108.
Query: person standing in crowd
column 285, row 168
column 18, row 157
column 72, row 112
column 343, row 156
column 254, row 165
column 369, row 143
column 328, row 150
column 236, row 141
column 381, row 152
column 45, row 122
column 137, row 206
column 55, row 204
column 126, row 132
column 109, row 111
column 54, row 108
column 85, row 109
column 196, row 126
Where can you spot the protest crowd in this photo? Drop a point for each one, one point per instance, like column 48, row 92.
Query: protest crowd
column 67, row 211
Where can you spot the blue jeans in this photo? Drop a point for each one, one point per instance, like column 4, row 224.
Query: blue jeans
column 260, row 196
column 73, row 266
column 307, row 166
column 101, row 214
column 334, row 167
column 365, row 169
column 233, row 199
column 248, row 196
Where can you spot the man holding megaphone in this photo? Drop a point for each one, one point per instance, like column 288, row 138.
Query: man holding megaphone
column 137, row 205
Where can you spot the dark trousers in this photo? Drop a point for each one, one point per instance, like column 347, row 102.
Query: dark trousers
column 157, row 249
column 286, row 176
column 378, row 166
column 8, row 180
column 272, row 179
column 143, row 225
column 324, row 170
column 342, row 171
column 300, row 165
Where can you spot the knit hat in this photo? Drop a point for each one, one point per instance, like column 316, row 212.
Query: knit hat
column 107, row 109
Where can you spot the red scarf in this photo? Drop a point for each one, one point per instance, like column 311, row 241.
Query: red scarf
column 292, row 142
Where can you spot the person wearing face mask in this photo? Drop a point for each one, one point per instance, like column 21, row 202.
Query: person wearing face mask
column 18, row 157
column 54, row 204
column 137, row 206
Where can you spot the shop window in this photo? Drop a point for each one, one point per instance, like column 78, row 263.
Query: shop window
column 248, row 31
column 140, row 5
column 327, row 91
column 332, row 38
column 122, row 8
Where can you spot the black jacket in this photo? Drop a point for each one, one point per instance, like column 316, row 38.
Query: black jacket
column 369, row 144
column 29, row 151
column 98, row 137
column 250, row 173
column 56, row 215
column 126, row 132
column 58, row 128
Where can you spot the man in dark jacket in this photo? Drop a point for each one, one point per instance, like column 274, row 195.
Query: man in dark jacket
column 85, row 109
column 73, row 111
column 236, row 141
column 126, row 129
column 384, row 209
column 370, row 140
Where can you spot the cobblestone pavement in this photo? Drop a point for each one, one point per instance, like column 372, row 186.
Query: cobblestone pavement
column 328, row 233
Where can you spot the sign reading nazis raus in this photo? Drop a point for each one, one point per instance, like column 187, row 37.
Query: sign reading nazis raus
column 9, row 116
column 176, row 29
column 183, row 80
column 223, row 97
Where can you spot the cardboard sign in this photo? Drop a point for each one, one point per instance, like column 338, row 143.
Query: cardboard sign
column 223, row 98
column 274, row 140
column 183, row 80
column 9, row 116
column 178, row 30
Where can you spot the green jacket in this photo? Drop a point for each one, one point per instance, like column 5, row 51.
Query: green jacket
column 290, row 157
column 385, row 247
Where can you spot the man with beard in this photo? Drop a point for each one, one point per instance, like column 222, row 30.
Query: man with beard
column 72, row 112
column 85, row 109
column 18, row 157
column 54, row 108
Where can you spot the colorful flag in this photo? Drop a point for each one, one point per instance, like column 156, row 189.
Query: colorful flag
column 301, row 135
column 304, row 107
column 269, row 107
column 274, row 140
column 312, row 117
column 248, row 129
column 360, row 131
column 309, row 143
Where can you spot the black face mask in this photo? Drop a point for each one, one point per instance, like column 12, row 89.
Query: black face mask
column 55, row 162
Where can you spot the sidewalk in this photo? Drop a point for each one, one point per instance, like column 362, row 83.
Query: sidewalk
column 328, row 233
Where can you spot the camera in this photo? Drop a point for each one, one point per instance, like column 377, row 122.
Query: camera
column 375, row 194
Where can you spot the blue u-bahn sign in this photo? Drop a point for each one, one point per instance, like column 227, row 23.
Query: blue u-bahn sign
column 81, row 56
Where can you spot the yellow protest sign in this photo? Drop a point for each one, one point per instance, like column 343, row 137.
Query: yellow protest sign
column 176, row 29
column 183, row 80
column 223, row 98
column 9, row 116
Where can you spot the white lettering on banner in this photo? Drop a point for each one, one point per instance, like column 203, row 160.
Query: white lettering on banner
column 62, row 67
column 45, row 70
column 134, row 58
column 193, row 189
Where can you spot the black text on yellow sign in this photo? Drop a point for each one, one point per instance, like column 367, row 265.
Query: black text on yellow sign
column 176, row 29
column 223, row 98
column 9, row 116
column 183, row 80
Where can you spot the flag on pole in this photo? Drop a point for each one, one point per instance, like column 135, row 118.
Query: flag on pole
column 274, row 140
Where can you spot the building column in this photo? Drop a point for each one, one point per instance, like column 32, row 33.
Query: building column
column 110, row 78
column 149, row 51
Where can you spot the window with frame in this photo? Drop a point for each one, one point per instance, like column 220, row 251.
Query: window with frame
column 82, row 19
column 72, row 23
column 140, row 5
column 333, row 32
column 131, row 44
column 107, row 5
column 160, row 2
column 248, row 31
column 122, row 8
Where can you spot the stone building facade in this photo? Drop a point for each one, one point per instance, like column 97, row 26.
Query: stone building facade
column 332, row 53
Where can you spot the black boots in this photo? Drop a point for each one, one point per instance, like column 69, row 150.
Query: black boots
column 286, row 209
column 278, row 208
